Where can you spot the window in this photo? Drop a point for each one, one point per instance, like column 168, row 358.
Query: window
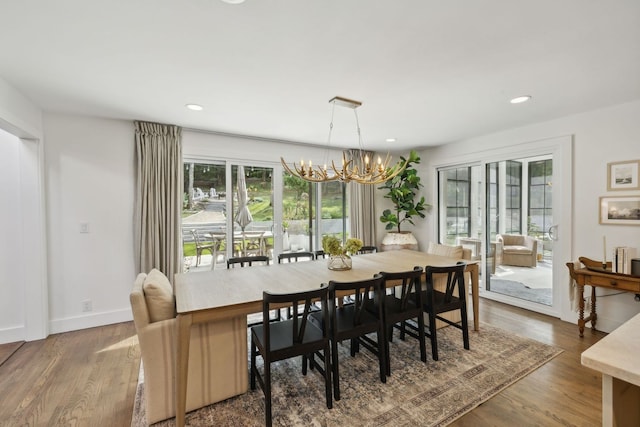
column 540, row 215
column 455, row 190
column 215, row 193
column 513, row 200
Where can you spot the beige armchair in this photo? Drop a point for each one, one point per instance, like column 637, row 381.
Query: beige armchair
column 153, row 306
column 517, row 250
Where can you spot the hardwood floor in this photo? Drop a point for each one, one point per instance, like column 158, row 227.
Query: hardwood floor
column 81, row 378
column 88, row 378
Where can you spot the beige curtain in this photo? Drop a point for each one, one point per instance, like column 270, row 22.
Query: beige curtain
column 158, row 198
column 361, row 206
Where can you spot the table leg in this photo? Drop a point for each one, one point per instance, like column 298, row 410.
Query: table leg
column 183, row 336
column 581, row 309
column 593, row 316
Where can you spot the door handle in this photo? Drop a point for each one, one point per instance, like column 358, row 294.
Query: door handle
column 552, row 232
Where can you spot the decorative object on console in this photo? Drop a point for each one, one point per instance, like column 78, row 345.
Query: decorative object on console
column 622, row 259
column 623, row 175
column 620, row 210
column 359, row 168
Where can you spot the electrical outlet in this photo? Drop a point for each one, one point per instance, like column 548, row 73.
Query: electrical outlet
column 87, row 306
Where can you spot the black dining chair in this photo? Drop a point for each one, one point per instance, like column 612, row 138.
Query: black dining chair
column 368, row 250
column 291, row 338
column 353, row 322
column 452, row 297
column 295, row 256
column 247, row 260
column 320, row 254
column 403, row 304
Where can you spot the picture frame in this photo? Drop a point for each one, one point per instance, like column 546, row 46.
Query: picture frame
column 623, row 210
column 623, row 175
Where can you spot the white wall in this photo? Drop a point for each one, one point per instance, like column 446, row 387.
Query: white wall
column 601, row 136
column 90, row 178
column 20, row 117
column 12, row 313
column 206, row 145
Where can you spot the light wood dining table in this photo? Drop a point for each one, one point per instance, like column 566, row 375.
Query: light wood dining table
column 220, row 295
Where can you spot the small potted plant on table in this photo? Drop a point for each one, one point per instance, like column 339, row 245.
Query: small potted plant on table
column 339, row 258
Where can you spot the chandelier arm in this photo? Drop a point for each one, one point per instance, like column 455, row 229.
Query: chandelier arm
column 302, row 174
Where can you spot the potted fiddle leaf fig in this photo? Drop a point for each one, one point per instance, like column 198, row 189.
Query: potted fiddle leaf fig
column 402, row 190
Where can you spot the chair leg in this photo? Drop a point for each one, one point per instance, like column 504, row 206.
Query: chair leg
column 465, row 328
column 336, row 371
column 383, row 355
column 253, row 366
column 421, row 337
column 354, row 345
column 433, row 335
column 327, row 377
column 267, row 393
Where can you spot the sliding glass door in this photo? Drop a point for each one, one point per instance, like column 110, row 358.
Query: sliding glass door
column 503, row 212
column 520, row 256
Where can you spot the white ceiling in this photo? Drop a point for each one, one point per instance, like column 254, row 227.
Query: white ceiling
column 428, row 72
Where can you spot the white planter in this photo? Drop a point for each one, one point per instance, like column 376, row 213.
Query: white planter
column 395, row 241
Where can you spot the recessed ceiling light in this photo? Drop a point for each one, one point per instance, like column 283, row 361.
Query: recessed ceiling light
column 194, row 107
column 233, row 1
column 520, row 99
column 390, row 140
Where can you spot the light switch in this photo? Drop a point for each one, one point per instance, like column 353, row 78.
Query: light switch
column 84, row 227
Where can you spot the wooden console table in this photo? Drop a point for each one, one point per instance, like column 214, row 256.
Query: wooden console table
column 599, row 279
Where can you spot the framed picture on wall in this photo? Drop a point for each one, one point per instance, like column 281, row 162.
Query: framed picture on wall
column 623, row 175
column 620, row 210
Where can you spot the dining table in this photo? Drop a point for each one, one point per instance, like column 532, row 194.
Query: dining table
column 232, row 294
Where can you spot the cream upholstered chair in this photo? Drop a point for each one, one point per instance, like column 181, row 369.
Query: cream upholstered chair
column 153, row 306
column 440, row 281
column 518, row 250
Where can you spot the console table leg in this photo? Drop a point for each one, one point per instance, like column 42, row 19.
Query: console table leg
column 594, row 316
column 581, row 307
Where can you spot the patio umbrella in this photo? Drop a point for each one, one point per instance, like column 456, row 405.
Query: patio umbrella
column 243, row 217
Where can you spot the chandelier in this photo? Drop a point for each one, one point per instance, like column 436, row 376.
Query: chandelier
column 358, row 166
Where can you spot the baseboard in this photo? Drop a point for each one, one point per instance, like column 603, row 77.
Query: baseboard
column 12, row 334
column 90, row 320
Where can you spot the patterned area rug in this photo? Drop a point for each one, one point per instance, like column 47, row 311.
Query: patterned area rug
column 416, row 394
